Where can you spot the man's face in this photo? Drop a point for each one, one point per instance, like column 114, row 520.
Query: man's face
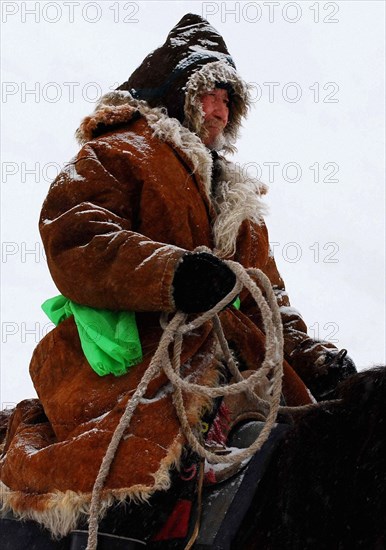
column 215, row 105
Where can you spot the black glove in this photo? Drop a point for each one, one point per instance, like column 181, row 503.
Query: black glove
column 201, row 280
column 338, row 366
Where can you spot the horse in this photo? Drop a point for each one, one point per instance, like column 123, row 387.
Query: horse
column 325, row 486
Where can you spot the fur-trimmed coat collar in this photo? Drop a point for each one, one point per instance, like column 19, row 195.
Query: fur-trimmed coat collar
column 235, row 195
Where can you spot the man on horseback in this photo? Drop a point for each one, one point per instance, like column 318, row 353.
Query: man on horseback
column 121, row 226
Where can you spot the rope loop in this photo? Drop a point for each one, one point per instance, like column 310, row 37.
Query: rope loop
column 173, row 332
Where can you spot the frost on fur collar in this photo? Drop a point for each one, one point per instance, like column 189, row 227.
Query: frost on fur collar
column 237, row 195
column 119, row 107
column 205, row 80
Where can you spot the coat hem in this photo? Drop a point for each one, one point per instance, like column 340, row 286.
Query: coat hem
column 61, row 511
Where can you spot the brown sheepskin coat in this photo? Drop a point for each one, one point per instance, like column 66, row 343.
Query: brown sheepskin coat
column 115, row 224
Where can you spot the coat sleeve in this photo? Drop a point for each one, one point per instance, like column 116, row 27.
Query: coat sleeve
column 306, row 355
column 88, row 226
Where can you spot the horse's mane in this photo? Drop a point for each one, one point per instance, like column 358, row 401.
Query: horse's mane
column 367, row 388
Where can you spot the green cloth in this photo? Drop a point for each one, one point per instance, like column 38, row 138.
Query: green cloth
column 237, row 303
column 109, row 339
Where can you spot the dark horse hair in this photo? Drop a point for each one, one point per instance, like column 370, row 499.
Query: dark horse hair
column 325, row 488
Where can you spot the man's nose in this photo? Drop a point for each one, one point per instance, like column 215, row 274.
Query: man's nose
column 221, row 110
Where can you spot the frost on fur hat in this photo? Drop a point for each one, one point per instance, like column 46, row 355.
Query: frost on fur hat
column 193, row 60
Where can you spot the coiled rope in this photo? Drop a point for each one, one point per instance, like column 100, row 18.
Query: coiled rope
column 174, row 332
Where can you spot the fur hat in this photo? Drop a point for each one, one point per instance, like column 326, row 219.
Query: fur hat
column 193, row 60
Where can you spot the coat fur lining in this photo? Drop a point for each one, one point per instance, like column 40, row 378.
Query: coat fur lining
column 237, row 195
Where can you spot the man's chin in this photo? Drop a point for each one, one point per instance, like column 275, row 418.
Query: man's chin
column 215, row 143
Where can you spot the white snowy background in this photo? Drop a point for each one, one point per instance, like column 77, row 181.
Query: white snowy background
column 317, row 69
